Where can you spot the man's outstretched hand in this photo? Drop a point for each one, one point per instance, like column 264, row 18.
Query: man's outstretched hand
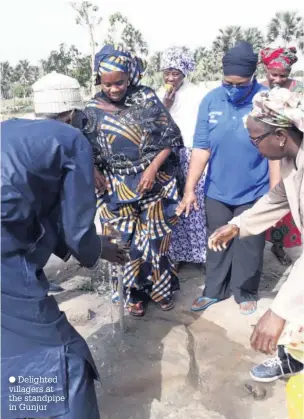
column 219, row 240
column 112, row 252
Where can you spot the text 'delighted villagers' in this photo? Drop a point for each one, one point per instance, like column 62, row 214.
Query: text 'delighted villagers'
column 33, row 393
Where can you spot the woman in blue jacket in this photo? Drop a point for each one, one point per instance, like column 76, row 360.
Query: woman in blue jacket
column 237, row 177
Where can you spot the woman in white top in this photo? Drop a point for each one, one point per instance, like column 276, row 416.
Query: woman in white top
column 182, row 100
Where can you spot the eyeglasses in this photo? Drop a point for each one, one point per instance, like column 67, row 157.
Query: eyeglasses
column 246, row 84
column 240, row 85
column 256, row 141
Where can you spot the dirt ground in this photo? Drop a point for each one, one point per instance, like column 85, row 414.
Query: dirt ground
column 177, row 364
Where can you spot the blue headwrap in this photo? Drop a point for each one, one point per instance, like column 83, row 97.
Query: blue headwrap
column 116, row 58
column 240, row 60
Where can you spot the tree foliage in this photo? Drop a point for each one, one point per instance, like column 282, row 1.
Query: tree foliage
column 87, row 16
column 227, row 38
column 286, row 27
column 7, row 73
column 69, row 61
column 60, row 60
column 122, row 32
column 24, row 75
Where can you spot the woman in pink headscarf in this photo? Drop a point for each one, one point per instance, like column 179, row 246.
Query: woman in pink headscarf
column 278, row 63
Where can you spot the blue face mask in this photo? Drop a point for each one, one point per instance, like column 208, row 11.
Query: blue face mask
column 238, row 94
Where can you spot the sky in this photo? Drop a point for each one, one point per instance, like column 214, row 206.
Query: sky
column 31, row 29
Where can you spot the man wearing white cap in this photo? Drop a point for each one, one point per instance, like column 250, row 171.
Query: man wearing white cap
column 48, row 206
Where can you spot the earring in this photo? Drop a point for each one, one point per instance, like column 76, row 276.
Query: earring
column 282, row 143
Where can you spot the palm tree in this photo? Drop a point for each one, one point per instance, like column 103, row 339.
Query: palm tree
column 209, row 67
column 287, row 27
column 227, row 38
column 7, row 73
column 255, row 37
column 25, row 74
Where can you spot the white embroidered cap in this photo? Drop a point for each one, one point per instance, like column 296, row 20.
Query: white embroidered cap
column 56, row 93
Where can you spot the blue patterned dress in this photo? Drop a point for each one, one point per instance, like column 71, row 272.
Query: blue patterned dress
column 189, row 238
column 125, row 142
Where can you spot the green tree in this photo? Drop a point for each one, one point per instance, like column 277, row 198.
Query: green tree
column 87, row 16
column 19, row 91
column 69, row 61
column 153, row 76
column 82, row 70
column 227, row 38
column 287, row 27
column 60, row 60
column 154, row 63
column 255, row 37
column 209, row 67
column 7, row 77
column 122, row 32
column 209, row 62
column 199, row 53
column 25, row 74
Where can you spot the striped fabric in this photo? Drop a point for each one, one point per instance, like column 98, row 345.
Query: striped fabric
column 116, row 58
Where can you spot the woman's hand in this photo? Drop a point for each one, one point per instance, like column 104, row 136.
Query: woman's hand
column 169, row 99
column 147, row 180
column 219, row 239
column 189, row 200
column 267, row 332
column 100, row 181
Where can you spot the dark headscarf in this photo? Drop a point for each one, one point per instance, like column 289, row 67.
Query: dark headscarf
column 240, row 60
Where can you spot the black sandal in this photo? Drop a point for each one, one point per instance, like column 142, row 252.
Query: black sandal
column 284, row 260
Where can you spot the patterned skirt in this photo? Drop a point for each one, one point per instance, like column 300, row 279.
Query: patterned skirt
column 144, row 225
column 285, row 233
column 189, row 237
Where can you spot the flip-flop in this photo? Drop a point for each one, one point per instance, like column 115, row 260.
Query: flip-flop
column 201, row 299
column 247, row 312
column 115, row 298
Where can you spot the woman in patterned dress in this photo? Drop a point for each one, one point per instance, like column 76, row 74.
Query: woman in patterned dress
column 189, row 238
column 134, row 141
column 278, row 63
